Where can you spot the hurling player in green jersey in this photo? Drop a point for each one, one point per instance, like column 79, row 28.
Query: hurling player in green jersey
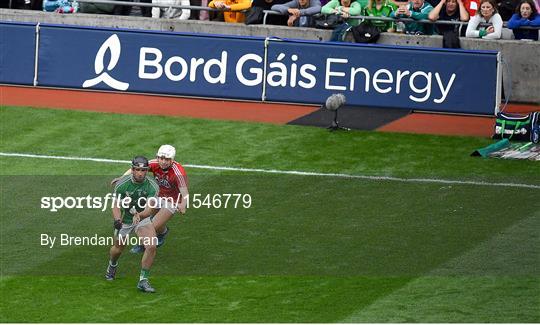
column 133, row 192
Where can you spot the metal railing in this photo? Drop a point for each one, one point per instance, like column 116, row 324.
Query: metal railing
column 141, row 4
column 404, row 20
column 144, row 4
column 272, row 12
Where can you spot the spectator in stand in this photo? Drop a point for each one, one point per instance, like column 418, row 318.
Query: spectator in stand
column 60, row 6
column 526, row 15
column 22, row 4
column 380, row 8
column 345, row 9
column 399, row 26
column 96, row 8
column 231, row 9
column 182, row 14
column 486, row 15
column 199, row 14
column 134, row 10
column 449, row 10
column 417, row 10
column 256, row 15
column 506, row 8
column 363, row 3
column 471, row 6
column 300, row 12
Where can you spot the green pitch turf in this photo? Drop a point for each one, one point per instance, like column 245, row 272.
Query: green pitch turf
column 309, row 249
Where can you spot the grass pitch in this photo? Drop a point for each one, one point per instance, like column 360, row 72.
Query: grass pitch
column 309, row 249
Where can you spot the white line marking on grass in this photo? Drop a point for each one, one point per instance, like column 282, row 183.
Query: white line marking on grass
column 287, row 172
column 26, row 155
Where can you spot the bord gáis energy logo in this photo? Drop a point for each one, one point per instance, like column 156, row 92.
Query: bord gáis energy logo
column 112, row 44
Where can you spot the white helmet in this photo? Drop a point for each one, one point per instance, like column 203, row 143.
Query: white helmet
column 166, row 151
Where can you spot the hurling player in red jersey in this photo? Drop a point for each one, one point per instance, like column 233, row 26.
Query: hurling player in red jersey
column 173, row 191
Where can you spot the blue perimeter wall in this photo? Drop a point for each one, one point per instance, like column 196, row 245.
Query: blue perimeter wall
column 430, row 79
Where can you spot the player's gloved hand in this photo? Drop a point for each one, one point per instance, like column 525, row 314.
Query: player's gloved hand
column 117, row 224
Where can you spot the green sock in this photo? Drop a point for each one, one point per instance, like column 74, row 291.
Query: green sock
column 144, row 274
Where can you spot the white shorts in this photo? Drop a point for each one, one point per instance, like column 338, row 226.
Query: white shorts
column 132, row 229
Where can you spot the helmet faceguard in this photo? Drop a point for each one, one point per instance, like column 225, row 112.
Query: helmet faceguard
column 139, row 168
column 140, row 162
